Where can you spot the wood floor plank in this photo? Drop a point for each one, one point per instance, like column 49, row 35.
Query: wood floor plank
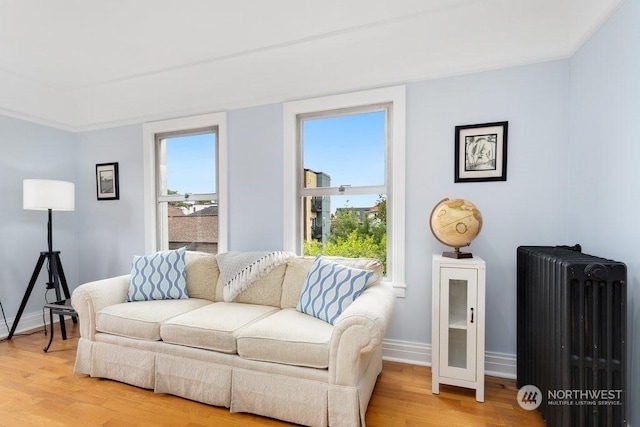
column 38, row 388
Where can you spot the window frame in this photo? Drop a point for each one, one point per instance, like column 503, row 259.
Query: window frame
column 186, row 124
column 395, row 162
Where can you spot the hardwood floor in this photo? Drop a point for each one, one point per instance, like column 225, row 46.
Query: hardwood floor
column 38, row 388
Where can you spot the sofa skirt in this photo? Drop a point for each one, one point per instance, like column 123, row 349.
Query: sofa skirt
column 204, row 382
column 290, row 399
column 124, row 364
column 299, row 395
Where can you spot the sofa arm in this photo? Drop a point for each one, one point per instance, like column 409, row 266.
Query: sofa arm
column 89, row 298
column 358, row 331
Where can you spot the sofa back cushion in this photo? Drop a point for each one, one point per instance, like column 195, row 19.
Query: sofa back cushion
column 202, row 274
column 280, row 288
column 298, row 268
column 267, row 290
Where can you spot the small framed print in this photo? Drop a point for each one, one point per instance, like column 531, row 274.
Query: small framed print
column 481, row 152
column 107, row 186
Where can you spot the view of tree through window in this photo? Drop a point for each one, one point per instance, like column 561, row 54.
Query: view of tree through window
column 344, row 203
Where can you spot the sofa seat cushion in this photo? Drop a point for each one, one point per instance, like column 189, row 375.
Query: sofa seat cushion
column 142, row 319
column 215, row 326
column 287, row 337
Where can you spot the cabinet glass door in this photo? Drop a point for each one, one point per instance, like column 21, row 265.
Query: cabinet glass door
column 458, row 323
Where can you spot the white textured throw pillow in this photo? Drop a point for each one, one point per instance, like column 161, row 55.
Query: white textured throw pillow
column 330, row 288
column 158, row 276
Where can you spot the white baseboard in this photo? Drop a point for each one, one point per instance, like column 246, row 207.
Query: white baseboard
column 501, row 365
column 28, row 322
column 496, row 364
column 406, row 352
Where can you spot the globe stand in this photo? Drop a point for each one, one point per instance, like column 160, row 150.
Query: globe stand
column 457, row 254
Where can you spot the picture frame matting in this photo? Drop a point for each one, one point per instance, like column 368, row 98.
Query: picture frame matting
column 107, row 181
column 481, row 152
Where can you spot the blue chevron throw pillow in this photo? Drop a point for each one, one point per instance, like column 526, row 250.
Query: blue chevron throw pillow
column 158, row 276
column 330, row 288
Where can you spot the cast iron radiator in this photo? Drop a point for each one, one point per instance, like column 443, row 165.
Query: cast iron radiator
column 572, row 334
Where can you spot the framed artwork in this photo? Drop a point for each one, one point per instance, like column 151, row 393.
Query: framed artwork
column 481, row 152
column 107, row 187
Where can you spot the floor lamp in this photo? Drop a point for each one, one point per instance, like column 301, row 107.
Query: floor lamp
column 47, row 195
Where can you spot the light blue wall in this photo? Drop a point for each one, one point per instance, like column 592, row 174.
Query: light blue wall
column 529, row 208
column 255, row 178
column 111, row 231
column 29, row 150
column 604, row 148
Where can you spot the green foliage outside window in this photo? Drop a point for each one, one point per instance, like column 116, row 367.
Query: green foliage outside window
column 355, row 237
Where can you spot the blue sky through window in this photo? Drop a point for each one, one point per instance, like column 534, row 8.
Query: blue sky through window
column 350, row 149
column 191, row 163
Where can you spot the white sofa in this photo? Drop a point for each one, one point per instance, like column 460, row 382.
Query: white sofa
column 257, row 354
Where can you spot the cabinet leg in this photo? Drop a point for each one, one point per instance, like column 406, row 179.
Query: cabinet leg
column 435, row 387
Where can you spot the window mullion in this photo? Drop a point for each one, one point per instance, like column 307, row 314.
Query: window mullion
column 343, row 190
column 188, row 197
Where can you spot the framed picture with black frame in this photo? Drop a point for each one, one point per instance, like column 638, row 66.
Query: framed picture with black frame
column 481, row 152
column 107, row 186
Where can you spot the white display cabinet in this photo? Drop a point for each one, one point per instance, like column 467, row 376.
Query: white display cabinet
column 457, row 354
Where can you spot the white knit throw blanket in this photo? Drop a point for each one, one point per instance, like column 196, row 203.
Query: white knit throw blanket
column 239, row 270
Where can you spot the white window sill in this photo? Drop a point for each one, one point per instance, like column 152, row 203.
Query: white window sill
column 399, row 288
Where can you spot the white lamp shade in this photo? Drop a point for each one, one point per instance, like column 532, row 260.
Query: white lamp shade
column 44, row 194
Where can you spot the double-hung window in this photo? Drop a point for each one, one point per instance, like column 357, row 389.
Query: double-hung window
column 344, row 177
column 184, row 186
column 187, row 198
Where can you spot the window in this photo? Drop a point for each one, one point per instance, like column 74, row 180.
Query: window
column 185, row 185
column 344, row 177
column 187, row 198
column 343, row 182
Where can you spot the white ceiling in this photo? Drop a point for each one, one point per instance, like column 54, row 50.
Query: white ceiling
column 84, row 64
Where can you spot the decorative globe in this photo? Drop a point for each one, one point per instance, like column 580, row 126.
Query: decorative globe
column 455, row 223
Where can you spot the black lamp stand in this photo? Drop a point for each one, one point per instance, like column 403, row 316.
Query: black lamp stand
column 56, row 280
